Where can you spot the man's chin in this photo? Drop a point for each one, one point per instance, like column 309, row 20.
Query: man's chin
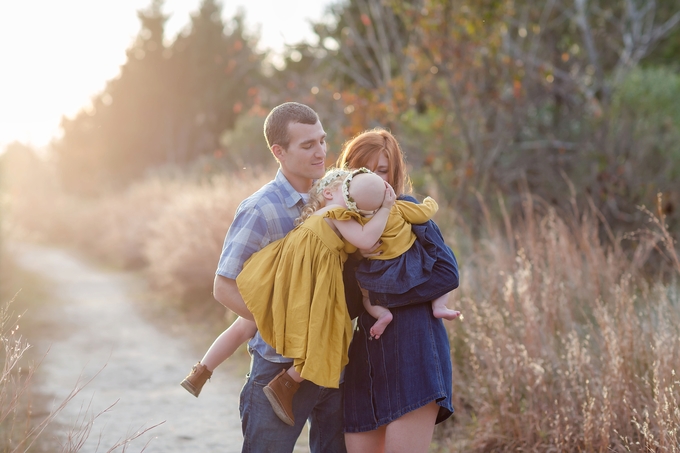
column 316, row 174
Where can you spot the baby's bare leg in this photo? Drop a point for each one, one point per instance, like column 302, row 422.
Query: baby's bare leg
column 440, row 310
column 382, row 315
column 294, row 375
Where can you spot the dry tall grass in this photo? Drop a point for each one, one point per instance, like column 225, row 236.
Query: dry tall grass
column 566, row 345
column 20, row 429
column 184, row 242
column 172, row 229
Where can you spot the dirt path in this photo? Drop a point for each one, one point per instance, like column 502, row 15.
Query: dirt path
column 98, row 326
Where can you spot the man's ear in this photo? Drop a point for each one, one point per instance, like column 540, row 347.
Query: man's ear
column 278, row 151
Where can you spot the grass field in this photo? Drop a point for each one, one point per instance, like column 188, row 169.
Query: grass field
column 571, row 332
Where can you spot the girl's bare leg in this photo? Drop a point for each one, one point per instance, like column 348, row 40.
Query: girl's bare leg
column 440, row 310
column 382, row 315
column 412, row 432
column 228, row 342
column 294, row 375
column 366, row 442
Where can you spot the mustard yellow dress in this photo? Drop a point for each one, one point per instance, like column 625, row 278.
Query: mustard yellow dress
column 295, row 290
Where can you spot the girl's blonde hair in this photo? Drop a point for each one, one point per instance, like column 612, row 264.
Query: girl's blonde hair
column 364, row 150
column 333, row 178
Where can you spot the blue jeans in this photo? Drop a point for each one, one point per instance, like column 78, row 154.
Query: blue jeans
column 263, row 431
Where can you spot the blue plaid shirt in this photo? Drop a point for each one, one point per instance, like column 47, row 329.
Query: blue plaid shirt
column 264, row 217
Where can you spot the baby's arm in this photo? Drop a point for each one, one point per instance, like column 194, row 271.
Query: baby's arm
column 365, row 236
column 417, row 213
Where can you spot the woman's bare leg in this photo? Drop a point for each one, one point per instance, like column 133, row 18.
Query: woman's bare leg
column 412, row 432
column 367, row 442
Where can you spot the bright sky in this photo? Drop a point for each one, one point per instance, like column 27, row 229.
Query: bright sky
column 54, row 55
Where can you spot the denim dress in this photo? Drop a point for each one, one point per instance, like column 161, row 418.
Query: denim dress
column 410, row 365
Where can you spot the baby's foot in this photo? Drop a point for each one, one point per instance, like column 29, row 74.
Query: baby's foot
column 445, row 313
column 380, row 325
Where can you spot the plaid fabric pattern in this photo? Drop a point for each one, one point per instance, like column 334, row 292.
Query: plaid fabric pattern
column 264, row 217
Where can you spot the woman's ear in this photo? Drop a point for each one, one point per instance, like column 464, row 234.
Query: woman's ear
column 327, row 193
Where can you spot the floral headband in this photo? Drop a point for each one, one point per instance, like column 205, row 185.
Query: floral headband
column 329, row 178
column 349, row 201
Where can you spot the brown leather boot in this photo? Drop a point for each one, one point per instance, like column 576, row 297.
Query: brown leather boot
column 280, row 393
column 195, row 381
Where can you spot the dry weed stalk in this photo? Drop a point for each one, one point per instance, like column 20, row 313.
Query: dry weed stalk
column 17, row 432
column 570, row 347
column 186, row 239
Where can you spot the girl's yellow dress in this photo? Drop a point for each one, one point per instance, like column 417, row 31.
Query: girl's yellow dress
column 295, row 290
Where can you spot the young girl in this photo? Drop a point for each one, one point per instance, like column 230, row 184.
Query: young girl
column 302, row 274
column 295, row 289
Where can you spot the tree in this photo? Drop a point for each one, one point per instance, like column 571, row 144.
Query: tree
column 168, row 105
column 501, row 95
column 215, row 74
column 121, row 135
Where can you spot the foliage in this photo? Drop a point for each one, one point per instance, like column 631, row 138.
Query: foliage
column 642, row 155
column 244, row 145
column 501, row 96
column 199, row 214
column 168, row 105
column 215, row 79
column 552, row 311
column 565, row 346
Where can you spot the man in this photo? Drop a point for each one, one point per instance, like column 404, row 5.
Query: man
column 297, row 140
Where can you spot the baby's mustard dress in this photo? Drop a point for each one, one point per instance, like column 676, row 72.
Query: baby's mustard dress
column 295, row 290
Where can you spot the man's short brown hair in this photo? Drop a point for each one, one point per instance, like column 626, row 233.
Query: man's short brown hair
column 276, row 123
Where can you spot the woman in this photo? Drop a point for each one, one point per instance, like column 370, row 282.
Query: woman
column 398, row 387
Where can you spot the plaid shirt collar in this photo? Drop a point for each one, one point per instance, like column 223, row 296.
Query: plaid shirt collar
column 290, row 196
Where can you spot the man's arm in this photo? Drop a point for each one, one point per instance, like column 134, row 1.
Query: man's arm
column 225, row 291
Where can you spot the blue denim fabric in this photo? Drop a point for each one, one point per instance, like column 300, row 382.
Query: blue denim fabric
column 444, row 276
column 407, row 368
column 263, row 431
column 400, row 274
